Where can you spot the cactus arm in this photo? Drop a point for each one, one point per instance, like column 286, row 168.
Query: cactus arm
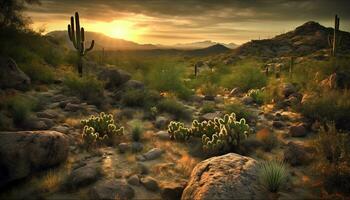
column 73, row 37
column 77, row 24
column 91, row 46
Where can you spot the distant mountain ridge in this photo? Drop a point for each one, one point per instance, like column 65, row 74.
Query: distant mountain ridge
column 109, row 43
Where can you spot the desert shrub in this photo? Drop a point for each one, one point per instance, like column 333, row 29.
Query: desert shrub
column 38, row 72
column 240, row 110
column 258, row 95
column 100, row 129
column 272, row 91
column 246, row 76
column 175, row 108
column 207, row 108
column 273, row 175
column 268, row 139
column 136, row 131
column 87, row 88
column 140, row 98
column 209, row 89
column 329, row 106
column 20, row 107
column 332, row 157
column 218, row 136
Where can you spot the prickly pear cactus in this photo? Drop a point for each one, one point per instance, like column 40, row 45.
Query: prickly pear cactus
column 100, row 129
column 177, row 131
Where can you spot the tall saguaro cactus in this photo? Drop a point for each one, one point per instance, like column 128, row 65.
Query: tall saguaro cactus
column 335, row 40
column 77, row 37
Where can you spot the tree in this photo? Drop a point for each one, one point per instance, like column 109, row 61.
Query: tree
column 11, row 13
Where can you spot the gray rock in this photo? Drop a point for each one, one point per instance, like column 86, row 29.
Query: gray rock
column 230, row 176
column 114, row 77
column 83, row 176
column 11, row 76
column 296, row 154
column 123, row 147
column 234, row 92
column 288, row 89
column 49, row 114
column 163, row 135
column 247, row 100
column 34, row 123
column 150, row 183
column 153, row 154
column 70, row 107
column 172, row 191
column 134, row 180
column 24, row 152
column 297, row 131
column 61, row 128
column 210, row 116
column 111, row 189
column 136, row 146
column 161, row 122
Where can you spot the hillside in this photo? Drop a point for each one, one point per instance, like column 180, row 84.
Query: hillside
column 212, row 50
column 305, row 39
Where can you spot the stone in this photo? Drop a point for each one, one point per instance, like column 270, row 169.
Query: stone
column 234, row 92
column 161, row 122
column 83, row 176
column 34, row 123
column 141, row 168
column 114, row 78
column 288, row 89
column 153, row 154
column 297, row 131
column 70, row 107
column 247, row 100
column 111, row 189
column 150, row 183
column 209, row 98
column 11, row 76
column 210, row 116
column 172, row 191
column 136, row 146
column 278, row 124
column 296, row 154
column 61, row 128
column 134, row 84
column 163, row 135
column 123, row 147
column 49, row 114
column 25, row 152
column 230, row 176
column 134, row 180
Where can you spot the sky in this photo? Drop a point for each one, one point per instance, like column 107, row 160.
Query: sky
column 182, row 21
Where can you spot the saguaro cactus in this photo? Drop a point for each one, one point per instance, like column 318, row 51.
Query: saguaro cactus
column 335, row 40
column 77, row 36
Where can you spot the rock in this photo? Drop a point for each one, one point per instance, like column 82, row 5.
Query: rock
column 247, row 100
column 234, row 92
column 278, row 124
column 49, row 114
column 210, row 116
column 70, row 107
column 61, row 128
column 296, row 154
column 136, row 146
column 230, row 176
column 111, row 189
column 172, row 191
column 196, row 98
column 83, row 176
column 142, row 169
column 163, row 135
column 288, row 89
column 11, row 76
column 153, row 154
column 161, row 122
column 123, row 147
column 114, row 77
column 134, row 84
column 209, row 98
column 24, row 152
column 150, row 183
column 34, row 123
column 297, row 131
column 219, row 99
column 134, row 180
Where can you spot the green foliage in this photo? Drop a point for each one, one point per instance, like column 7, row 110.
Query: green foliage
column 208, row 108
column 329, row 106
column 140, row 98
column 209, row 89
column 175, row 108
column 246, row 75
column 19, row 107
column 38, row 72
column 332, row 157
column 240, row 110
column 257, row 95
column 100, row 129
column 218, row 136
column 87, row 88
column 273, row 175
column 136, row 131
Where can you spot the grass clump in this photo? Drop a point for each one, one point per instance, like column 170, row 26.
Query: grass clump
column 87, row 88
column 240, row 110
column 136, row 131
column 39, row 72
column 332, row 157
column 273, row 175
column 207, row 108
column 19, row 107
column 175, row 108
column 140, row 98
column 258, row 95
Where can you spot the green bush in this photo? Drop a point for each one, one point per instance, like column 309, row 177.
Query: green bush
column 240, row 110
column 257, row 95
column 100, row 129
column 20, row 107
column 175, row 108
column 140, row 98
column 332, row 158
column 137, row 130
column 246, row 76
column 87, row 88
column 329, row 106
column 38, row 72
column 207, row 108
column 273, row 175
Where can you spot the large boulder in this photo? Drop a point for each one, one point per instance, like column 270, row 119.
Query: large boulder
column 230, row 176
column 11, row 76
column 24, row 152
column 111, row 189
column 114, row 77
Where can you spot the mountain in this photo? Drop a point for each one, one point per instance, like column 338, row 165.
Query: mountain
column 103, row 41
column 201, row 45
column 212, row 50
column 304, row 40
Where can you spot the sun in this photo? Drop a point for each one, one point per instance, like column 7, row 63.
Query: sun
column 117, row 29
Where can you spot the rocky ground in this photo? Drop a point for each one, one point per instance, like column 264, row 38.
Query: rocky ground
column 152, row 168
